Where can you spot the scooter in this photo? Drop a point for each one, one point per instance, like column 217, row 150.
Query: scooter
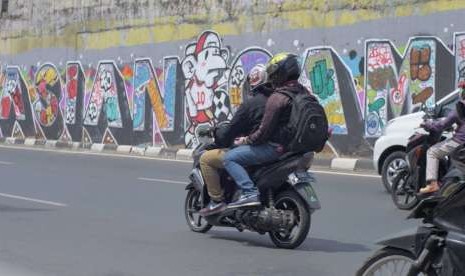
column 286, row 194
column 410, row 178
column 435, row 248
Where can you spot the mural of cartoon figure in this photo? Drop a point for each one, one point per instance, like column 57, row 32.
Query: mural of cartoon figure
column 205, row 69
column 12, row 92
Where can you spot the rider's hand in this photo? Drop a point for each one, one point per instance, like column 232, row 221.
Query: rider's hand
column 240, row 141
column 426, row 126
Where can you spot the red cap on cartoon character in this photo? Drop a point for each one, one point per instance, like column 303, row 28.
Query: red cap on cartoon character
column 205, row 40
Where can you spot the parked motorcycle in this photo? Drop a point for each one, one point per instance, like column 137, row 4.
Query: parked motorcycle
column 286, row 193
column 411, row 177
column 435, row 248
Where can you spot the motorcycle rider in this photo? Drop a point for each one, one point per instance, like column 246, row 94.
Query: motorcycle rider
column 267, row 143
column 441, row 149
column 246, row 120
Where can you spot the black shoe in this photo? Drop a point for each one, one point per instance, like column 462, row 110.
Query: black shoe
column 213, row 208
column 245, row 200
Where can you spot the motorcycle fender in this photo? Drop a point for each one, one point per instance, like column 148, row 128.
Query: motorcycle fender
column 411, row 240
column 196, row 179
column 302, row 183
column 307, row 192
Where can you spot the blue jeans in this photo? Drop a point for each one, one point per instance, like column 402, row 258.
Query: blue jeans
column 243, row 156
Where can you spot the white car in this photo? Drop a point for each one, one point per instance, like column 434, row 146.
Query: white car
column 389, row 150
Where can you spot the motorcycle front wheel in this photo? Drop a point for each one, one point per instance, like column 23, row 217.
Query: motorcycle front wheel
column 389, row 262
column 403, row 194
column 291, row 201
column 192, row 206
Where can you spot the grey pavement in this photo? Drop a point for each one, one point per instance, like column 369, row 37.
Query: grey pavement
column 99, row 217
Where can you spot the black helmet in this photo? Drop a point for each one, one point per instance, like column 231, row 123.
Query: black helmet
column 283, row 67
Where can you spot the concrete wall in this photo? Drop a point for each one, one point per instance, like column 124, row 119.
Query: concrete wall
column 152, row 72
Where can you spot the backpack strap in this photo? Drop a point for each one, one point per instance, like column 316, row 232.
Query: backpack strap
column 287, row 93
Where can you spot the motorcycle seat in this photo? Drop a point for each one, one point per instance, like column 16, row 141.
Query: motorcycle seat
column 275, row 172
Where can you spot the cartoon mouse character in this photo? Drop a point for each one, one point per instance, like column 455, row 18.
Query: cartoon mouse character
column 204, row 67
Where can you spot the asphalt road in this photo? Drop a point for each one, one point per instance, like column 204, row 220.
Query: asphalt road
column 74, row 214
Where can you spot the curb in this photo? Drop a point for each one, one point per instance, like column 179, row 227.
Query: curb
column 152, row 151
column 51, row 144
column 184, row 154
column 123, row 149
column 168, row 153
column 97, row 147
column 30, row 142
column 138, row 151
column 348, row 164
column 343, row 163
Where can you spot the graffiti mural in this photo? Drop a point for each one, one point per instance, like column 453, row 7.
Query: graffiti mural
column 355, row 63
column 136, row 102
column 206, row 73
column 170, row 67
column 146, row 83
column 74, row 102
column 325, row 74
column 319, row 70
column 419, row 66
column 381, row 83
column 459, row 42
column 46, row 101
column 107, row 118
column 240, row 68
column 396, row 85
column 16, row 118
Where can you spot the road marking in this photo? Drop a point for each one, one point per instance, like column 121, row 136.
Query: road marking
column 6, row 163
column 161, row 180
column 34, row 200
column 348, row 174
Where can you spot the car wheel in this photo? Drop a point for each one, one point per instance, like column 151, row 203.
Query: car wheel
column 391, row 164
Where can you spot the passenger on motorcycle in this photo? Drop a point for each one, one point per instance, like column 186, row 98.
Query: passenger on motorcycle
column 246, row 120
column 444, row 148
column 268, row 143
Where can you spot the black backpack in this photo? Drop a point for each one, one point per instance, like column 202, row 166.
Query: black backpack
column 308, row 125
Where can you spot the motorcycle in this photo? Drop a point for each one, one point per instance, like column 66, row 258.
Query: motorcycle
column 286, row 194
column 435, row 248
column 411, row 177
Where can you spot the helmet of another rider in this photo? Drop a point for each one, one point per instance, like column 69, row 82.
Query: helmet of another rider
column 256, row 80
column 283, row 67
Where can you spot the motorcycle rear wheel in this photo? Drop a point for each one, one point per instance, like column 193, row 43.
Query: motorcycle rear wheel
column 192, row 206
column 290, row 200
column 403, row 196
column 390, row 262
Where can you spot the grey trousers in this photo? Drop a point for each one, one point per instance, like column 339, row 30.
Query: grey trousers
column 434, row 154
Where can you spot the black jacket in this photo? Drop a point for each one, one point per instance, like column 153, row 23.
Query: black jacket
column 273, row 128
column 246, row 120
